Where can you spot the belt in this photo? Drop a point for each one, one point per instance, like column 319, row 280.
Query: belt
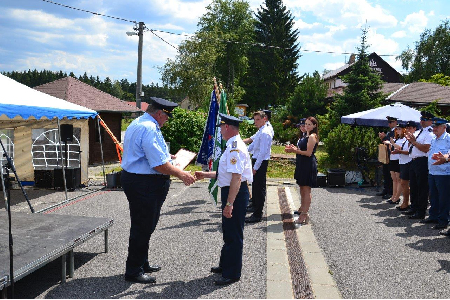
column 161, row 176
column 414, row 158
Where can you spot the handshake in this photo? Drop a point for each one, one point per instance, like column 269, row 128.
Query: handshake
column 188, row 179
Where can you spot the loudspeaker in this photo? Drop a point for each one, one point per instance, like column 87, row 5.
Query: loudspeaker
column 73, row 178
column 43, row 178
column 66, row 132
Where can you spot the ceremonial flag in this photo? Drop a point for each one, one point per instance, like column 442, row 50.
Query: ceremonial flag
column 207, row 148
column 219, row 146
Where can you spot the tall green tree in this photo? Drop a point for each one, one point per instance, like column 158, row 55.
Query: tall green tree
column 309, row 96
column 363, row 87
column 272, row 75
column 218, row 50
column 232, row 24
column 430, row 56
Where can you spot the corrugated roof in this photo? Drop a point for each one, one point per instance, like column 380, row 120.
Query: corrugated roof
column 333, row 73
column 423, row 93
column 75, row 91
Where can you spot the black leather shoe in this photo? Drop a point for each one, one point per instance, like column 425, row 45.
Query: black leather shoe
column 417, row 216
column 409, row 212
column 429, row 221
column 252, row 219
column 445, row 232
column 440, row 226
column 143, row 278
column 225, row 281
column 296, row 212
column 250, row 209
column 393, row 202
column 402, row 209
column 151, row 269
column 386, row 196
column 216, row 269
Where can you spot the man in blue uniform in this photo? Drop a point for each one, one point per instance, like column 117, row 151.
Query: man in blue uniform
column 419, row 145
column 439, row 176
column 387, row 179
column 233, row 173
column 145, row 179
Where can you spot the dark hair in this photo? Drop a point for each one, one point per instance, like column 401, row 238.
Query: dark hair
column 259, row 113
column 316, row 129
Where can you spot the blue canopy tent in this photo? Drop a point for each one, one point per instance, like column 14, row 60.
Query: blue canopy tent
column 377, row 116
column 23, row 107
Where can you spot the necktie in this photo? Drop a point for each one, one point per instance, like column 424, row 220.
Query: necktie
column 410, row 148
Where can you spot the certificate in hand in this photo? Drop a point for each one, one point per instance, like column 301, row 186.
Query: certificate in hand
column 183, row 158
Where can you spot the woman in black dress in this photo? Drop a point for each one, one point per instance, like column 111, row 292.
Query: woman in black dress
column 306, row 166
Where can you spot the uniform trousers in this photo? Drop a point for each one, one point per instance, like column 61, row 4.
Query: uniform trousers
column 439, row 197
column 146, row 195
column 259, row 188
column 387, row 183
column 233, row 233
column 418, row 185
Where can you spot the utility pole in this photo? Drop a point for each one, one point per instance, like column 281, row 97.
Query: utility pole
column 139, row 65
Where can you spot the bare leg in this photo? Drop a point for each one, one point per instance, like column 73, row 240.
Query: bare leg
column 305, row 194
column 405, row 188
column 397, row 187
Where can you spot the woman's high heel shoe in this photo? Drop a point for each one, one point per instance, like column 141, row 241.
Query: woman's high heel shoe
column 305, row 221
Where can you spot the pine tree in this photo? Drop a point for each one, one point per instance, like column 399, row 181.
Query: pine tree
column 272, row 76
column 363, row 87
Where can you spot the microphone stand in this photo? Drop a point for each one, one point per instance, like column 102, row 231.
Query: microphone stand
column 6, row 184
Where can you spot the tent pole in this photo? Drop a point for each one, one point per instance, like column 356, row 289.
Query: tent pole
column 101, row 149
column 62, row 162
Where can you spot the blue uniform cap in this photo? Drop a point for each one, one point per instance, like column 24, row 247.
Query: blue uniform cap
column 402, row 125
column 302, row 122
column 268, row 113
column 164, row 105
column 426, row 116
column 411, row 124
column 227, row 119
column 439, row 121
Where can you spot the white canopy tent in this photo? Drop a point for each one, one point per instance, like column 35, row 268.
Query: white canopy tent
column 23, row 109
column 377, row 116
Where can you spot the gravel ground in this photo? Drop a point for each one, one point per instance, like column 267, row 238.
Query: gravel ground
column 186, row 243
column 374, row 251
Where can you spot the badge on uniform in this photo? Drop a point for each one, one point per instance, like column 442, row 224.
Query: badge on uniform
column 233, row 160
column 234, row 144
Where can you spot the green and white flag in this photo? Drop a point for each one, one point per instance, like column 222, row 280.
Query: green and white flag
column 219, row 146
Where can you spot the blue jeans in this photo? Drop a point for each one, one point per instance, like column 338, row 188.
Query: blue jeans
column 439, row 186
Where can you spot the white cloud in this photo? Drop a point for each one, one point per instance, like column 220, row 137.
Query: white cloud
column 380, row 44
column 188, row 11
column 415, row 22
column 38, row 18
column 333, row 66
column 399, row 34
column 352, row 13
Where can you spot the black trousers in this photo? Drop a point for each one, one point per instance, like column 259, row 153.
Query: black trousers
column 146, row 196
column 259, row 188
column 233, row 233
column 418, row 185
column 387, row 179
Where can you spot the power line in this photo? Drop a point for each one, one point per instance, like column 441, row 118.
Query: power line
column 88, row 11
column 189, row 35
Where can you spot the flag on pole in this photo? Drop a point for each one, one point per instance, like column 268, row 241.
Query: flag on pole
column 219, row 146
column 207, row 147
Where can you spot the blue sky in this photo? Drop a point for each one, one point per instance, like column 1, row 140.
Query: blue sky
column 38, row 35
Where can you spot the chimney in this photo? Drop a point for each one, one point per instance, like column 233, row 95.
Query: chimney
column 352, row 58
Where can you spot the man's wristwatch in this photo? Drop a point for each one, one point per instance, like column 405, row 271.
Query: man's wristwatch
column 229, row 204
